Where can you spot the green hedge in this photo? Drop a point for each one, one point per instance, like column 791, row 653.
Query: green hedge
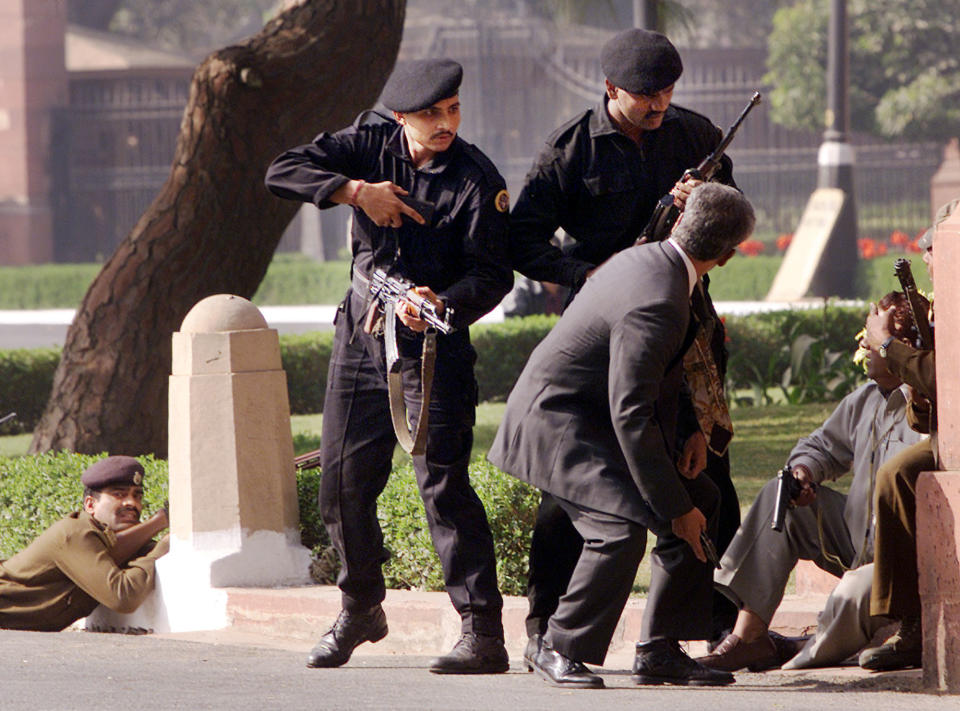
column 45, row 286
column 36, row 491
column 744, row 278
column 294, row 279
column 291, row 279
column 297, row 279
column 760, row 347
column 503, row 350
column 749, row 278
column 305, row 358
column 26, row 377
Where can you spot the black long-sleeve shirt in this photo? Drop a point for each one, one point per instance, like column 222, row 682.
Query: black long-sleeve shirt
column 461, row 253
column 601, row 188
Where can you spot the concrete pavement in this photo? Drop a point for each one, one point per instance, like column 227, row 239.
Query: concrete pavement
column 239, row 671
column 258, row 662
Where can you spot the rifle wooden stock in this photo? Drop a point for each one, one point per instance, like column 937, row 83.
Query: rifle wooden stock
column 310, row 460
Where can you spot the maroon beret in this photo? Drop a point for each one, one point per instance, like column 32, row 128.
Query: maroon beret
column 118, row 469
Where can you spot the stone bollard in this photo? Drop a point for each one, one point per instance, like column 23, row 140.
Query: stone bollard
column 938, row 493
column 234, row 517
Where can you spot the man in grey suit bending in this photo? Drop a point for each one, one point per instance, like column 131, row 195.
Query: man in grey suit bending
column 593, row 420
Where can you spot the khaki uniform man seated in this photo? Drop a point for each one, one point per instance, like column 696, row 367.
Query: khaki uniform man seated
column 100, row 555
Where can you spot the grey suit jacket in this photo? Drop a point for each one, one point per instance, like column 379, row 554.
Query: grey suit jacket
column 592, row 417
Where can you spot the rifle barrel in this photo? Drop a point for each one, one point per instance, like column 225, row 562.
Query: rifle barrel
column 728, row 137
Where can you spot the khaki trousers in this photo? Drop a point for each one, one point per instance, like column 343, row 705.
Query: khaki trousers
column 895, row 581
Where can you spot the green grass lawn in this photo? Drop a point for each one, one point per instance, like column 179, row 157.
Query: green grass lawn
column 14, row 445
column 763, row 438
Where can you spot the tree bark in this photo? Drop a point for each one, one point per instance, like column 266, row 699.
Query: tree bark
column 214, row 227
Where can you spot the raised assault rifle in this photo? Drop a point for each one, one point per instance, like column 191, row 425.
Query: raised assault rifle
column 666, row 213
column 901, row 269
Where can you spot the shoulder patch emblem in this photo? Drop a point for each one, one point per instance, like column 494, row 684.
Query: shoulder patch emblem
column 502, row 201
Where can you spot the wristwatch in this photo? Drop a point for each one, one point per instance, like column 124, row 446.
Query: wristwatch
column 882, row 350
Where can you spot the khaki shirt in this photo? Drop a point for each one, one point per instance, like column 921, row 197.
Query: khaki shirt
column 66, row 572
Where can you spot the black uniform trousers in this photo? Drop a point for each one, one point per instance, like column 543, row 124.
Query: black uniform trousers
column 555, row 548
column 357, row 444
column 679, row 602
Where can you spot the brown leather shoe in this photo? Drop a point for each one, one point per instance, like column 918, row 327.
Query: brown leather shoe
column 733, row 654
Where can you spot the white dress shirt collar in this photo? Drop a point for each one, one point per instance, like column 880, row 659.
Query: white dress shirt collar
column 691, row 270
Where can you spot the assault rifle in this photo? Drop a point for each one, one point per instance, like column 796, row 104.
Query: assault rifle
column 388, row 289
column 901, row 269
column 308, row 460
column 666, row 213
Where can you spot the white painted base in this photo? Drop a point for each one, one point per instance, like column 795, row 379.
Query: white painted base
column 189, row 595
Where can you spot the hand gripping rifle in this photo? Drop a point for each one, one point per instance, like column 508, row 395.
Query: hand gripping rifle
column 901, row 269
column 666, row 213
column 393, row 294
column 390, row 290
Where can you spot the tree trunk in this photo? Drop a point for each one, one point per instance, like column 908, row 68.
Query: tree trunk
column 213, row 227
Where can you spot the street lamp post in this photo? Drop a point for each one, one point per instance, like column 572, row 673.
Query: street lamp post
column 835, row 160
column 645, row 14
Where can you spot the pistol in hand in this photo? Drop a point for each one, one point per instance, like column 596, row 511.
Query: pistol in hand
column 788, row 489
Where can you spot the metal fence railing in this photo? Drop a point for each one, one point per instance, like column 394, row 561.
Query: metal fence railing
column 523, row 78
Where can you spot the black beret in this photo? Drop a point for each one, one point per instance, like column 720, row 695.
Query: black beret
column 118, row 469
column 421, row 83
column 640, row 61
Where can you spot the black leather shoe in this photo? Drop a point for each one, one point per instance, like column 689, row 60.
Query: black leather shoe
column 531, row 651
column 558, row 670
column 901, row 651
column 473, row 654
column 350, row 629
column 662, row 661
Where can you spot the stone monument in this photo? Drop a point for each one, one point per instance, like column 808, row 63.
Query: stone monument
column 938, row 493
column 234, row 518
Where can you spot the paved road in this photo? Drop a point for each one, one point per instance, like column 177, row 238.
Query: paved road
column 80, row 670
column 42, row 328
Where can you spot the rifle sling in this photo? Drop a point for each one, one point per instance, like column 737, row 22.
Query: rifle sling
column 413, row 442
